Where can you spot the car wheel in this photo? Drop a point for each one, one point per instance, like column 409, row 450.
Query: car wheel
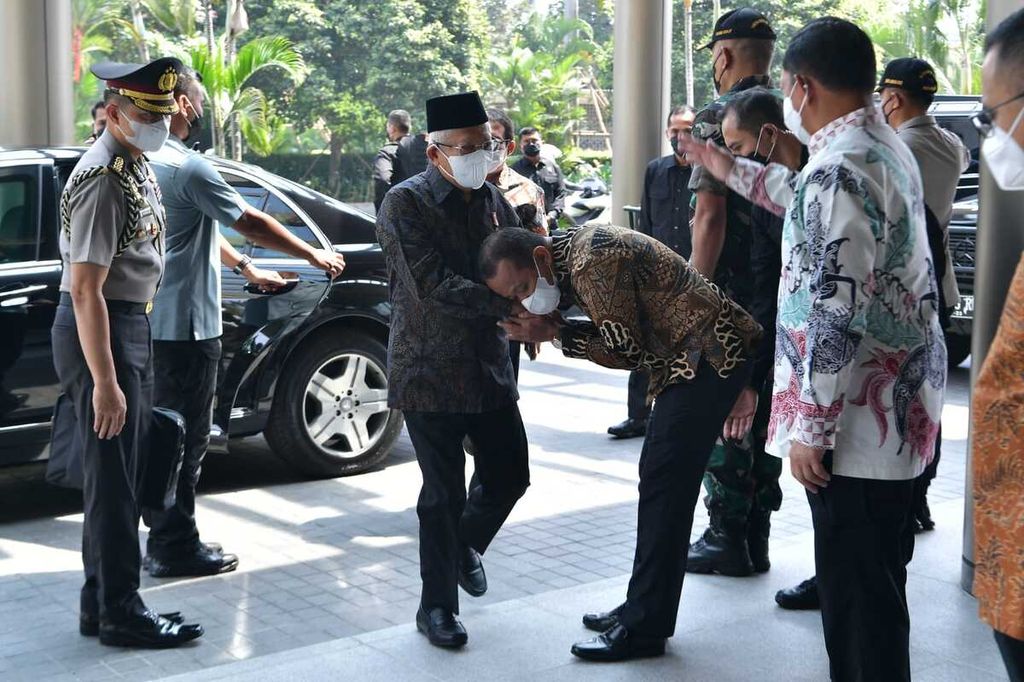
column 330, row 415
column 958, row 347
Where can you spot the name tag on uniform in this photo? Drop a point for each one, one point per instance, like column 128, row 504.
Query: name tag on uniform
column 148, row 225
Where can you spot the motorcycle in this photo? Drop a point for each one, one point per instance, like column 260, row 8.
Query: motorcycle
column 588, row 202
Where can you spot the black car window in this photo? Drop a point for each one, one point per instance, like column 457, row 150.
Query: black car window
column 255, row 195
column 18, row 228
column 285, row 215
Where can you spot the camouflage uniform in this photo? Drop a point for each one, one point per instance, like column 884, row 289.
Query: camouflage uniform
column 742, row 481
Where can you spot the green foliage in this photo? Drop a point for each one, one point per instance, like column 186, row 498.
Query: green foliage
column 231, row 95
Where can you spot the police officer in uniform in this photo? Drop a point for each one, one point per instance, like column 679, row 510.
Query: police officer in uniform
column 739, row 470
column 111, row 245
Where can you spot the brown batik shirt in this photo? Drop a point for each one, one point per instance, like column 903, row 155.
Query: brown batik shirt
column 648, row 308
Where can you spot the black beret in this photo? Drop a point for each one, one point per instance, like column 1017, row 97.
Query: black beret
column 149, row 86
column 448, row 112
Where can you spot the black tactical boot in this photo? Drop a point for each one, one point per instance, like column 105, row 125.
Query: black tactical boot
column 720, row 551
column 758, row 528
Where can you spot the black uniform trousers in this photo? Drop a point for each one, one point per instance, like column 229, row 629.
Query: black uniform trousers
column 449, row 518
column 112, row 468
column 686, row 420
column 636, row 402
column 186, row 381
column 1012, row 651
column 861, row 550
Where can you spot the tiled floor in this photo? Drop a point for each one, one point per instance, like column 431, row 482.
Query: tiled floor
column 324, row 561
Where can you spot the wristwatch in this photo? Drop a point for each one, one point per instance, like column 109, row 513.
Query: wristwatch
column 557, row 341
column 242, row 265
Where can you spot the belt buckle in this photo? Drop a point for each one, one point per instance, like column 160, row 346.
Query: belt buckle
column 149, row 307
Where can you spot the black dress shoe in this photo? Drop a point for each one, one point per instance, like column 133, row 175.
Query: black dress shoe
column 441, row 627
column 147, row 631
column 618, row 645
column 89, row 625
column 803, row 597
column 203, row 562
column 471, row 573
column 923, row 518
column 631, row 428
column 602, row 622
column 720, row 552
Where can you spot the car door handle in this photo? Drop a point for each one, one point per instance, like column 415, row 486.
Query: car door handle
column 21, row 290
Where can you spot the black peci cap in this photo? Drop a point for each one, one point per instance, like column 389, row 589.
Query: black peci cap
column 741, row 23
column 150, row 87
column 448, row 112
column 911, row 74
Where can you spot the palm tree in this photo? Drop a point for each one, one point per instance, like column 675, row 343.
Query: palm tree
column 231, row 97
column 94, row 24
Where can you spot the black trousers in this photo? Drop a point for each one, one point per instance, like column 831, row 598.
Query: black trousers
column 185, row 381
column 449, row 518
column 861, row 551
column 636, row 402
column 112, row 468
column 1012, row 651
column 686, row 420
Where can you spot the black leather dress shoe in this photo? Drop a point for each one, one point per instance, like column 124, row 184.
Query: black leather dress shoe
column 471, row 573
column 803, row 597
column 148, row 631
column 618, row 645
column 719, row 552
column 204, row 547
column 602, row 622
column 89, row 625
column 631, row 428
column 923, row 518
column 441, row 627
column 203, row 562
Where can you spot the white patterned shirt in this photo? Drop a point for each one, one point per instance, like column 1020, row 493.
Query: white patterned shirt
column 860, row 360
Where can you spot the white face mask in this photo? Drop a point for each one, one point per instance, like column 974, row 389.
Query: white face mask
column 470, row 170
column 792, row 116
column 1004, row 156
column 498, row 158
column 545, row 296
column 146, row 137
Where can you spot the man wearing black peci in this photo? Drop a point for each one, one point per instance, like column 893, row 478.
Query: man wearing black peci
column 448, row 361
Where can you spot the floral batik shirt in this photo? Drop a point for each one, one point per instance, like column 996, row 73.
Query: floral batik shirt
column 860, row 360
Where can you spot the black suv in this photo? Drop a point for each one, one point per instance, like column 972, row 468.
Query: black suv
column 954, row 112
column 305, row 367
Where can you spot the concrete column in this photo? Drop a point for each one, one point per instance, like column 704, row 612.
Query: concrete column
column 35, row 48
column 997, row 252
column 641, row 99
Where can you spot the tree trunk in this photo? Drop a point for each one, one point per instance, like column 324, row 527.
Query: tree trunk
column 688, row 42
column 334, row 170
column 216, row 131
column 140, row 27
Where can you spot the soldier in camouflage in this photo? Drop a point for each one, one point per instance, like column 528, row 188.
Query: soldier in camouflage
column 742, row 481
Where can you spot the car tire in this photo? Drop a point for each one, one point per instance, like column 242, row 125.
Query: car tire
column 323, row 442
column 958, row 347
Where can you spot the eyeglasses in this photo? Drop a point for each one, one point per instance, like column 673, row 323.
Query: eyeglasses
column 491, row 145
column 983, row 121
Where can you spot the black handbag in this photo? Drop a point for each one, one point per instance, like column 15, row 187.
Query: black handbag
column 162, row 466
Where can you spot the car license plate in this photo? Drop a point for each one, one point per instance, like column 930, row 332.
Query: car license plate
column 965, row 307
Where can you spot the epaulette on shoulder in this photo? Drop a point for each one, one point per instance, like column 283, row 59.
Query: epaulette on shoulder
column 74, row 182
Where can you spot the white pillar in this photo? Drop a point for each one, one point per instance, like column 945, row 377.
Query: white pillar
column 37, row 107
column 641, row 82
column 998, row 247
